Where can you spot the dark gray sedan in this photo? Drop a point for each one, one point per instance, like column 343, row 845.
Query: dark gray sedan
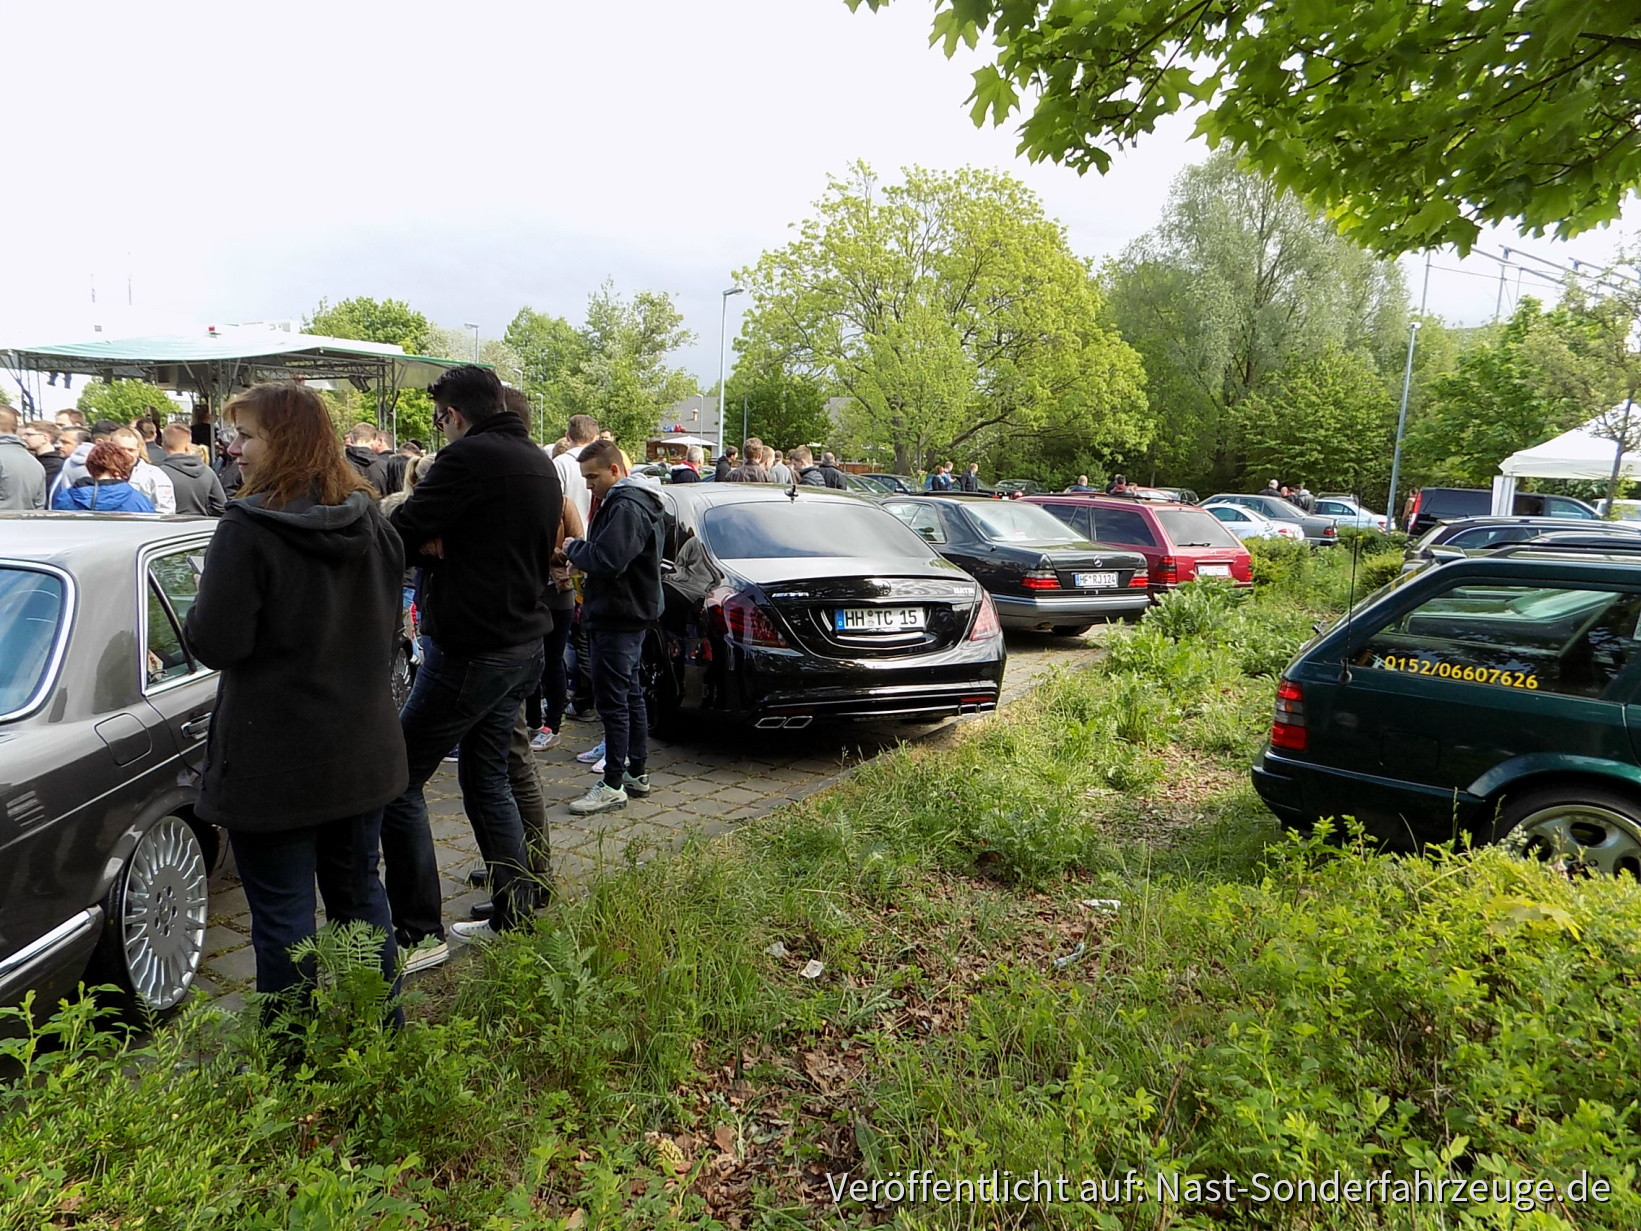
column 103, row 723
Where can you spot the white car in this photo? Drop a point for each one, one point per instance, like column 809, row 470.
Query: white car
column 1345, row 511
column 1252, row 524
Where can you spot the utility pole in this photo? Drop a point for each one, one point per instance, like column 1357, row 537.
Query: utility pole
column 1407, row 385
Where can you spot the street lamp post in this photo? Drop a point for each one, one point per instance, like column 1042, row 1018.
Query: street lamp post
column 475, row 329
column 723, row 358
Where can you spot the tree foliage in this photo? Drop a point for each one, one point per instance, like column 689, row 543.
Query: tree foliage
column 1328, row 419
column 1237, row 281
column 950, row 311
column 123, row 400
column 1411, row 125
column 368, row 320
column 614, row 367
column 781, row 408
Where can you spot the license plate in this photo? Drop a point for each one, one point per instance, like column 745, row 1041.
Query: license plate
column 1094, row 581
column 878, row 619
column 1213, row 570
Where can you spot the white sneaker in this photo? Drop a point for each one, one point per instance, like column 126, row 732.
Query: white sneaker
column 602, row 798
column 473, row 931
column 545, row 739
column 430, row 952
column 597, row 766
column 637, row 787
column 595, row 753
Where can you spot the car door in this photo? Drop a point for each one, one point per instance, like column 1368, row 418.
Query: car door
column 1474, row 674
column 180, row 689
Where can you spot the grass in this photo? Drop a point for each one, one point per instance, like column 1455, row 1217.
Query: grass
column 1070, row 941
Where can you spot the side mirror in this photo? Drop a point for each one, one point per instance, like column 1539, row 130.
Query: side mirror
column 926, row 534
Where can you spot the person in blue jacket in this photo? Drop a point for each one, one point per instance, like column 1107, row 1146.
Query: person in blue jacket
column 108, row 489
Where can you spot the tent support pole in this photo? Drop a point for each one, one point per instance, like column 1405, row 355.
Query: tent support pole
column 1618, row 455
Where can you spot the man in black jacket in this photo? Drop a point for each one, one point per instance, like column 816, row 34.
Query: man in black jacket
column 621, row 557
column 481, row 522
column 198, row 490
column 725, row 463
column 361, row 455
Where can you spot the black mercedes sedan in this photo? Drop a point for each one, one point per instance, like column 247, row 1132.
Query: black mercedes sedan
column 103, row 722
column 788, row 605
column 1041, row 574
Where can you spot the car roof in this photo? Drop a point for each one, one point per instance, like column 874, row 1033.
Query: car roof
column 1580, row 560
column 1463, row 523
column 55, row 537
column 703, row 494
column 1114, row 502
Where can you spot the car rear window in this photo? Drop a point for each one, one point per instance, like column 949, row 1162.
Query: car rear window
column 1535, row 638
column 1452, row 503
column 1195, row 528
column 1020, row 523
column 802, row 528
column 31, row 613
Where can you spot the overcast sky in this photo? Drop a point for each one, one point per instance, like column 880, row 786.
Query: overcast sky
column 236, row 163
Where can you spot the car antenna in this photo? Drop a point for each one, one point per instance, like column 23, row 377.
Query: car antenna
column 1350, row 608
column 792, row 492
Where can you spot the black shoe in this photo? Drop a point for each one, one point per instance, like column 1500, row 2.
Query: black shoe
column 479, row 878
column 482, row 910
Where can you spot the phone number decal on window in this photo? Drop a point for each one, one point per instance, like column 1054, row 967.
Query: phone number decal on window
column 1454, row 671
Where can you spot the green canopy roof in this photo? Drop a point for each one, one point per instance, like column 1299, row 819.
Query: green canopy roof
column 216, row 362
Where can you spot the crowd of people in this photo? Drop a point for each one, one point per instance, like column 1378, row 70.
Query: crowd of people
column 1300, row 496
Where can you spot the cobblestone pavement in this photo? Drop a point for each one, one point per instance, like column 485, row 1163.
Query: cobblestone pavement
column 707, row 785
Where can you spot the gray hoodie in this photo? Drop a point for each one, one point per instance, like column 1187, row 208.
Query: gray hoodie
column 22, row 478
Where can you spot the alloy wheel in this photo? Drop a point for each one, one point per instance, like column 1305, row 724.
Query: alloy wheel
column 162, row 913
column 1581, row 837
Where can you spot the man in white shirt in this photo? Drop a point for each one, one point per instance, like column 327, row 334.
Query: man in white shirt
column 583, row 430
column 146, row 477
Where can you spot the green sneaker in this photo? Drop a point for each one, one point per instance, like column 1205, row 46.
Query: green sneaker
column 637, row 787
column 602, row 798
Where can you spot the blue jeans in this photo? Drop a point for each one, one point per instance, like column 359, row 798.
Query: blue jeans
column 278, row 871
column 618, row 696
column 473, row 701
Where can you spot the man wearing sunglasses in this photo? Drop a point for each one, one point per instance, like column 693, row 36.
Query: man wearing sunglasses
column 481, row 522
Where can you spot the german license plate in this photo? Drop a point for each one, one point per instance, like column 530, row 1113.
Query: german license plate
column 1213, row 570
column 878, row 619
column 1094, row 581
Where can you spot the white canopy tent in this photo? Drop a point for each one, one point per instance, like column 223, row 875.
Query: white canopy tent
column 1578, row 454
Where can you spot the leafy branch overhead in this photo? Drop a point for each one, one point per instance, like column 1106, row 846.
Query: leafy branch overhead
column 1410, row 125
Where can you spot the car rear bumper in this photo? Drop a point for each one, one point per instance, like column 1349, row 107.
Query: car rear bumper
column 1393, row 810
column 1016, row 611
column 777, row 709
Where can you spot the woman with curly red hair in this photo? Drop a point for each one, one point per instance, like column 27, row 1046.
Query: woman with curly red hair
column 108, row 489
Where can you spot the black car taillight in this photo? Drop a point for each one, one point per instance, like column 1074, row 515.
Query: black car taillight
column 1288, row 728
column 741, row 619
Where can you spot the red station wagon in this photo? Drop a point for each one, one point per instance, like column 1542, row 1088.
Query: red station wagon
column 1178, row 541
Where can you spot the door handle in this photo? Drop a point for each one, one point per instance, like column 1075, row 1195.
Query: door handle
column 198, row 728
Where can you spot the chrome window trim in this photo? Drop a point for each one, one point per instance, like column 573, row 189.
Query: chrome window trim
column 145, row 558
column 54, row 664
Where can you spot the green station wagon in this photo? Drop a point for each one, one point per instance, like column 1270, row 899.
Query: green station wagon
column 1492, row 696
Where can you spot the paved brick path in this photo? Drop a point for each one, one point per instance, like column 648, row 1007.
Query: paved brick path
column 705, row 786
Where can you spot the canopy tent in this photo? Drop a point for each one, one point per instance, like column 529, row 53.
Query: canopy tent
column 218, row 361
column 1578, row 454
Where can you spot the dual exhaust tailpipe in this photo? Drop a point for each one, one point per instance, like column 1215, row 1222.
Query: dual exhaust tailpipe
column 792, row 722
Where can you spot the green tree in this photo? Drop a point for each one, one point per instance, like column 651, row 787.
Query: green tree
column 1411, row 125
column 781, row 408
column 1328, row 419
column 1498, row 398
column 950, row 311
column 123, row 400
column 550, row 350
column 1238, row 280
column 396, row 323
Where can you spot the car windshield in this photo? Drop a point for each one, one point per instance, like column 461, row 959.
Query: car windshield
column 798, row 528
column 31, row 610
column 1194, row 528
column 1020, row 523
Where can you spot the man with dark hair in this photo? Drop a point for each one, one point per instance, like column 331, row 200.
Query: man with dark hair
column 74, row 443
column 752, row 469
column 481, row 522
column 197, row 489
column 22, row 478
column 725, row 463
column 147, row 426
column 621, row 558
column 387, row 471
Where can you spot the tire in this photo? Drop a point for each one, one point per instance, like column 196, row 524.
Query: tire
column 403, row 676
column 154, row 935
column 661, row 699
column 1586, row 829
column 1071, row 630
